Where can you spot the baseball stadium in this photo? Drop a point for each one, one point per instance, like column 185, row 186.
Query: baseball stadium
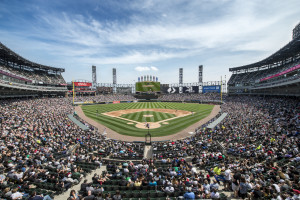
column 73, row 139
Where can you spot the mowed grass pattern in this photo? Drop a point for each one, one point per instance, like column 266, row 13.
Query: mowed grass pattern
column 121, row 126
column 139, row 116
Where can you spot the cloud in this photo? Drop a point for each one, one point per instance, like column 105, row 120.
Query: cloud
column 141, row 69
column 145, row 68
column 145, row 32
column 154, row 68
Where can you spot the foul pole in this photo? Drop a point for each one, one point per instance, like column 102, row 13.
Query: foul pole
column 221, row 89
column 73, row 92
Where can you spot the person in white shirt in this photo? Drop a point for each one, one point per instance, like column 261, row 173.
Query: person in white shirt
column 169, row 189
column 173, row 173
column 214, row 194
column 16, row 194
column 227, row 178
column 126, row 170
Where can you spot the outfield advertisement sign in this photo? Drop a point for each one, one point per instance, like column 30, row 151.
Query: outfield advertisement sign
column 173, row 90
column 164, row 88
column 85, row 102
column 124, row 90
column 191, row 89
column 212, row 89
column 114, row 102
column 82, row 84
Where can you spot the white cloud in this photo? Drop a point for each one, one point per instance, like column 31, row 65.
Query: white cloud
column 168, row 33
column 141, row 69
column 145, row 68
column 154, row 68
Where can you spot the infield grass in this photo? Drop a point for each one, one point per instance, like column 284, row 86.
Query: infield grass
column 140, row 116
column 120, row 125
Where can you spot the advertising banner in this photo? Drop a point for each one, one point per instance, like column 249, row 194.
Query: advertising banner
column 190, row 89
column 82, row 84
column 114, row 102
column 212, row 89
column 173, row 90
column 164, row 88
column 124, row 90
column 281, row 73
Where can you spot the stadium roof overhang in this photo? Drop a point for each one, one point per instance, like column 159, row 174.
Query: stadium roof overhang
column 11, row 56
column 289, row 50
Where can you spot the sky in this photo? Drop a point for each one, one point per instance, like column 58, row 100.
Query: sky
column 147, row 37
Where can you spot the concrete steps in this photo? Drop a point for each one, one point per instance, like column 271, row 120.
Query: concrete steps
column 148, row 152
column 66, row 194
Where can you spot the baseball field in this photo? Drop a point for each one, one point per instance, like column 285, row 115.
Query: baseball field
column 134, row 119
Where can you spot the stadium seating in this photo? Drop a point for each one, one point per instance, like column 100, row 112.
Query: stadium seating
column 32, row 76
column 261, row 133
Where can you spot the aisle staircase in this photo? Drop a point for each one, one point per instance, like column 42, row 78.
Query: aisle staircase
column 148, row 152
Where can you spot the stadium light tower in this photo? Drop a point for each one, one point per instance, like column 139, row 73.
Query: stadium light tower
column 94, row 77
column 114, row 71
column 180, row 80
column 200, row 80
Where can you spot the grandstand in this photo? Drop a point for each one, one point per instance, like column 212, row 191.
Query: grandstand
column 279, row 74
column 20, row 77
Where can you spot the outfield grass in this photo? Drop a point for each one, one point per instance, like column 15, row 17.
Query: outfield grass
column 121, row 126
column 139, row 116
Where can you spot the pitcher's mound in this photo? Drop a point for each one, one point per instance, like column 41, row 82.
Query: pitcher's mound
column 152, row 125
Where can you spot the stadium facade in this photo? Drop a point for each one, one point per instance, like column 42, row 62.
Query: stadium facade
column 20, row 77
column 278, row 74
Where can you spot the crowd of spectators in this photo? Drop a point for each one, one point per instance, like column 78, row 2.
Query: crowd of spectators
column 260, row 137
column 253, row 152
column 190, row 97
column 106, row 98
column 35, row 143
column 35, row 77
column 252, row 77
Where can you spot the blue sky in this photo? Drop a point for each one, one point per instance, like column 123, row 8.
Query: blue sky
column 140, row 37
